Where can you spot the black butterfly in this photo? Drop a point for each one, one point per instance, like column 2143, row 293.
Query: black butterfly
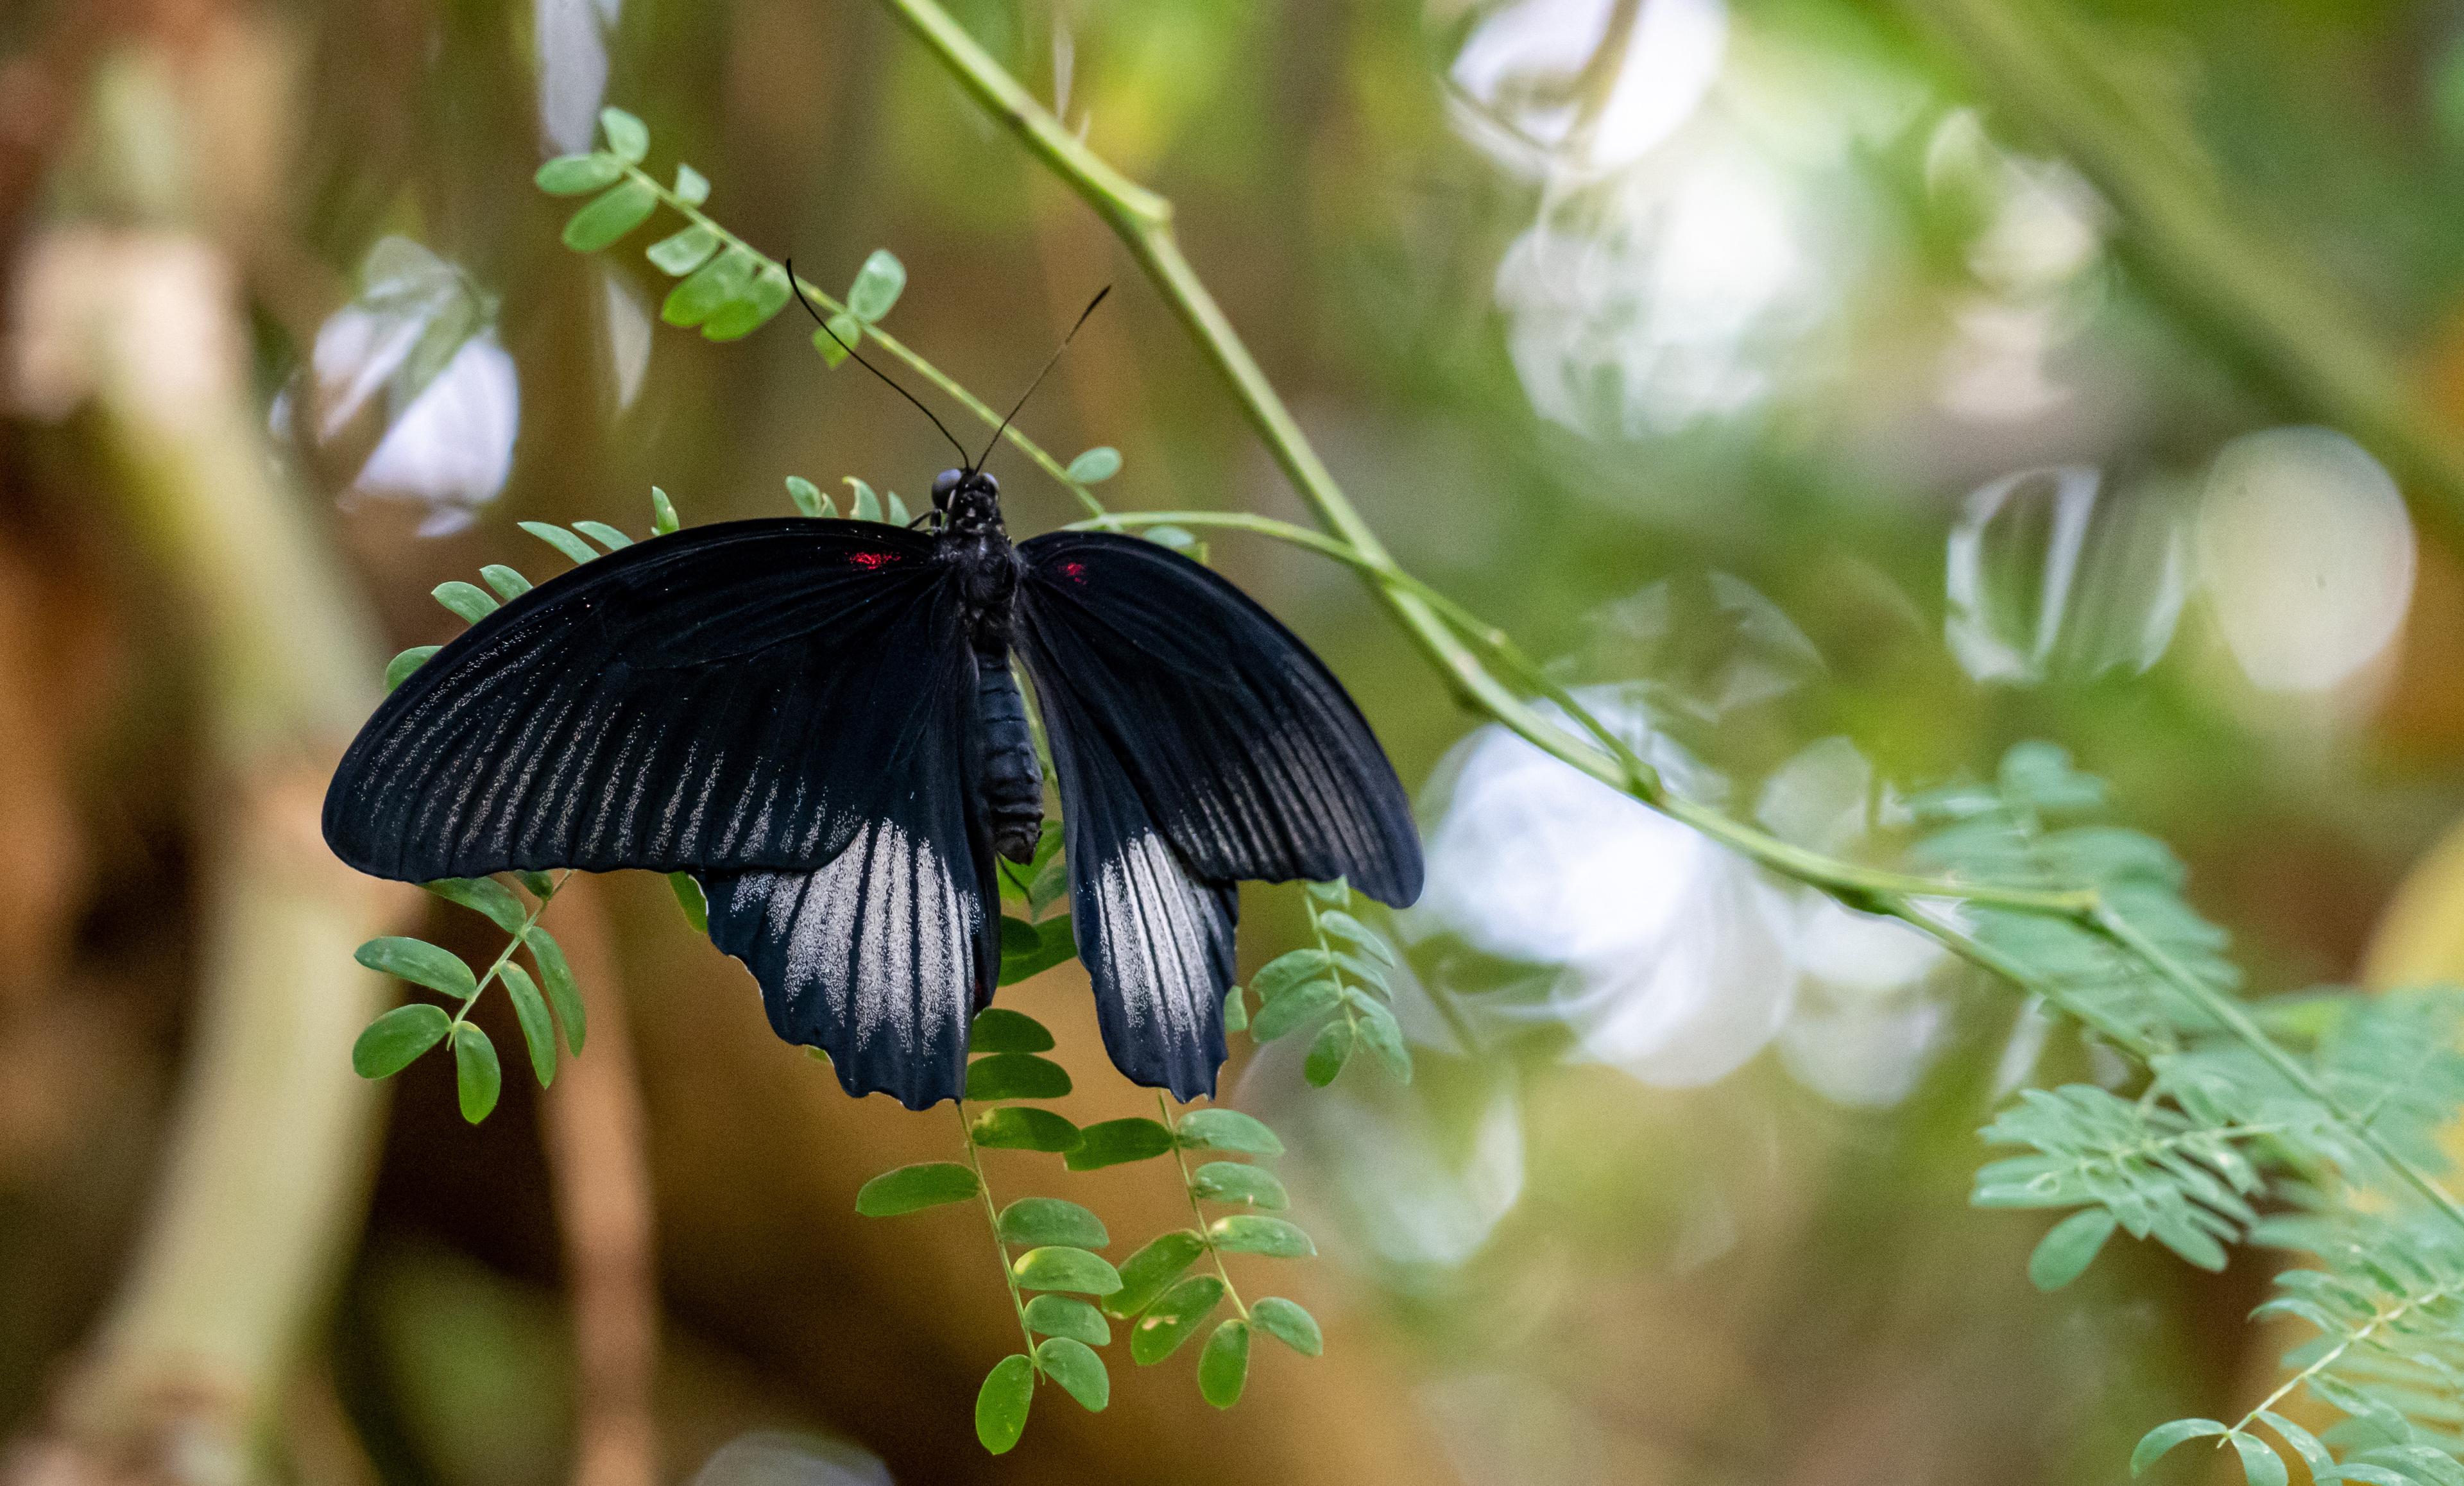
column 817, row 718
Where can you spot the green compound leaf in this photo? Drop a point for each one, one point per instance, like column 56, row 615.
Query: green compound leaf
column 808, row 497
column 1016, row 1076
column 1096, row 465
column 483, row 895
column 1236, row 1011
column 997, row 1029
column 1223, row 1366
column 690, row 897
column 663, row 514
column 1068, row 1316
column 1173, row 1318
column 679, row 254
column 1050, row 1220
column 477, row 1078
column 1245, row 1233
column 604, row 534
column 864, row 504
column 2065, row 1252
column 1024, row 1127
column 876, row 286
column 561, row 539
column 750, row 308
column 2153, row 1444
column 1003, row 1402
column 1286, row 1322
column 1227, row 1129
column 1286, row 971
column 396, row 1039
column 562, row 992
column 1232, row 1181
column 1328, row 1053
column 530, row 1009
column 708, row 288
column 579, row 175
column 610, row 215
column 1056, row 943
column 421, row 963
column 1113, row 1142
column 468, row 601
column 1068, row 1362
column 398, row 669
column 1151, row 1270
column 1060, row 1267
column 628, row 138
column 911, row 1188
column 692, row 187
column 508, row 584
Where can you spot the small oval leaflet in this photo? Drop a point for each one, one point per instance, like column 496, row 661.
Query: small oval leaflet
column 1051, row 1221
column 558, row 977
column 1096, row 465
column 877, row 286
column 1233, row 1181
column 398, row 669
column 483, row 895
column 530, row 1009
column 1151, row 1270
column 1286, row 1322
column 997, row 1029
column 466, row 602
column 679, row 254
column 1173, row 1318
column 1060, row 1267
column 610, row 215
column 691, row 187
column 1223, row 1366
column 691, row 898
column 1071, row 1363
column 808, row 497
column 477, row 1078
column 421, row 963
column 1246, row 1232
column 1068, row 1316
column 1055, row 943
column 508, row 584
column 1296, row 1006
column 1328, row 1053
column 2153, row 1444
column 628, row 138
column 911, row 1188
column 1113, row 1141
column 1286, row 971
column 1016, row 1076
column 1003, row 1402
column 396, row 1039
column 560, row 538
column 604, row 534
column 1025, row 1127
column 579, row 175
column 2065, row 1251
column 1227, row 1129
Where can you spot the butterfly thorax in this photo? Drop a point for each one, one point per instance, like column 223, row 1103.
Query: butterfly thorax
column 974, row 541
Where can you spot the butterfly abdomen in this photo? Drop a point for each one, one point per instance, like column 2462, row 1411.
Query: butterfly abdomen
column 1013, row 781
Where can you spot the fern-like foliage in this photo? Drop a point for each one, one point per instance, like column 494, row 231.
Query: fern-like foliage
column 2309, row 1125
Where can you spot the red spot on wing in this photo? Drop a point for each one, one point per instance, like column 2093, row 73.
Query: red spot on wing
column 872, row 559
column 1074, row 570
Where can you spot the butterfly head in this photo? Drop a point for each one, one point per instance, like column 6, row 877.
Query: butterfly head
column 969, row 499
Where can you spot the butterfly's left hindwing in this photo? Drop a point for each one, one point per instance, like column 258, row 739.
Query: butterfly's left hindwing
column 881, row 957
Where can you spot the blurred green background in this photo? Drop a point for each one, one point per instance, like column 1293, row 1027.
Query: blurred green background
column 1839, row 392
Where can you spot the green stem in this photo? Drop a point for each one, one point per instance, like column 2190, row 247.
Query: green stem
column 949, row 385
column 504, row 956
column 1143, row 221
column 1188, row 1189
column 992, row 1217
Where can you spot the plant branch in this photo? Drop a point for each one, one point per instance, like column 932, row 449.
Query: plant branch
column 1189, row 1189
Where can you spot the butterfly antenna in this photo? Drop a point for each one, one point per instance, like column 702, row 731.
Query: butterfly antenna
column 798, row 290
column 1039, row 378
